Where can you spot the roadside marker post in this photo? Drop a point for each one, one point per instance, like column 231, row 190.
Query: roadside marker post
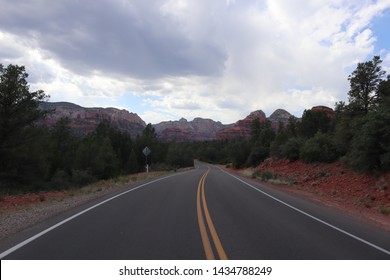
column 146, row 151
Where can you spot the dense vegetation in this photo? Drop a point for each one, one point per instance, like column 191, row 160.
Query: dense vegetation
column 36, row 157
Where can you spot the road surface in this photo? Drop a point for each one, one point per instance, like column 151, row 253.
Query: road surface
column 204, row 213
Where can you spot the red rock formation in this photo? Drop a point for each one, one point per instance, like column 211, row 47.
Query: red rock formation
column 279, row 116
column 85, row 120
column 330, row 112
column 197, row 130
column 242, row 128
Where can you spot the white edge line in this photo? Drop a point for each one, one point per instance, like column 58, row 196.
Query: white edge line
column 311, row 216
column 25, row 242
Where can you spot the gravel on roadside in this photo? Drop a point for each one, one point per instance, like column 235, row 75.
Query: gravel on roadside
column 17, row 220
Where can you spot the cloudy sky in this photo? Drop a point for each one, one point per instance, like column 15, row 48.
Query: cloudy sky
column 219, row 59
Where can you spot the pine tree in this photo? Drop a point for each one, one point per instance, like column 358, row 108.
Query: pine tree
column 18, row 112
column 132, row 163
column 364, row 82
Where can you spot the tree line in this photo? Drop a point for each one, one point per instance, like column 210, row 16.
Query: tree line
column 35, row 157
column 38, row 158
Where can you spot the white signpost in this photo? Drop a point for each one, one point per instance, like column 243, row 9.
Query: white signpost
column 146, row 151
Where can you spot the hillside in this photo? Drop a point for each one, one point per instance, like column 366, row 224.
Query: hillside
column 333, row 184
column 180, row 131
column 85, row 120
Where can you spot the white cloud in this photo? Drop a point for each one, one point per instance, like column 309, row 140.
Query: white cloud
column 213, row 59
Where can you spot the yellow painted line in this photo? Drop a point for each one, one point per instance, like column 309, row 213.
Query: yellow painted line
column 214, row 235
column 206, row 242
column 202, row 227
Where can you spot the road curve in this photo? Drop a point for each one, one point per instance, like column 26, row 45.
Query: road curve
column 205, row 213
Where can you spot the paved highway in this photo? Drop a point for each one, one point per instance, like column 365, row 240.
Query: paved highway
column 204, row 213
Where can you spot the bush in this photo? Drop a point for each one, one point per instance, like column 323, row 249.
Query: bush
column 256, row 174
column 257, row 155
column 314, row 121
column 82, row 178
column 239, row 153
column 162, row 166
column 320, row 148
column 265, row 176
column 60, row 179
column 276, row 145
column 370, row 149
column 291, row 149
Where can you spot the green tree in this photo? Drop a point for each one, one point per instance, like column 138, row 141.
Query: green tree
column 132, row 163
column 267, row 135
column 179, row 155
column 364, row 82
column 319, row 148
column 384, row 93
column 255, row 130
column 370, row 149
column 18, row 113
column 18, row 106
column 367, row 118
column 291, row 149
column 149, row 139
column 314, row 121
column 239, row 153
column 96, row 155
column 292, row 126
column 257, row 155
column 280, row 139
column 262, row 136
column 63, row 144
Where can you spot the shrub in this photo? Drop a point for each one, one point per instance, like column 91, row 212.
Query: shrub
column 239, row 153
column 60, row 179
column 82, row 178
column 256, row 174
column 384, row 210
column 265, row 176
column 291, row 149
column 370, row 149
column 257, row 155
column 320, row 148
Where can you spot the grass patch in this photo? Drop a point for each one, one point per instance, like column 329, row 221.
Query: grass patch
column 384, row 210
column 264, row 176
column 365, row 201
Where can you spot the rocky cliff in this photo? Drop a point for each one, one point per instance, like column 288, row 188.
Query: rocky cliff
column 278, row 117
column 329, row 111
column 85, row 120
column 197, row 130
column 242, row 128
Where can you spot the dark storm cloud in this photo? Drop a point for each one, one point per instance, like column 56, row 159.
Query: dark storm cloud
column 134, row 38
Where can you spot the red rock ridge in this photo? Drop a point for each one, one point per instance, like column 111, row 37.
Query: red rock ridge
column 85, row 120
column 242, row 128
column 180, row 131
column 278, row 117
column 329, row 111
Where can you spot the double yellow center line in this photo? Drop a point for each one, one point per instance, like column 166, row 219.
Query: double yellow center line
column 201, row 208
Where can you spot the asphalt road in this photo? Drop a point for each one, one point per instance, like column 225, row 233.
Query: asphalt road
column 204, row 213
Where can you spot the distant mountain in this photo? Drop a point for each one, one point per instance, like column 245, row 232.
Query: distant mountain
column 242, row 128
column 85, row 120
column 278, row 117
column 180, row 131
